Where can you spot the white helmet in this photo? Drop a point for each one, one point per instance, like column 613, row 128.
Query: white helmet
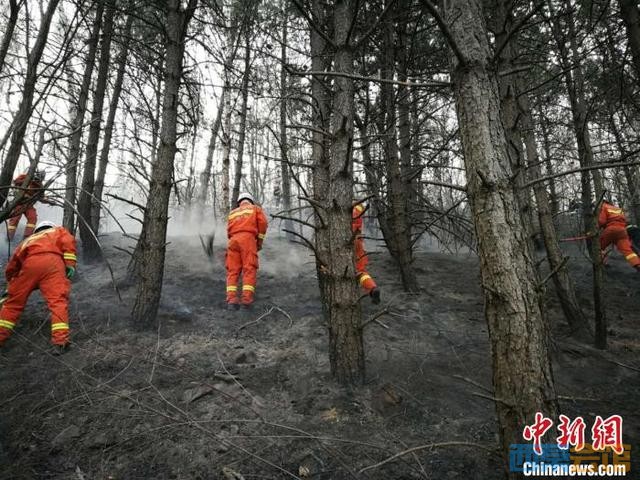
column 45, row 224
column 246, row 196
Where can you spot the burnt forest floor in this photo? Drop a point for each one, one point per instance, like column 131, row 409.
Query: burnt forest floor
column 211, row 394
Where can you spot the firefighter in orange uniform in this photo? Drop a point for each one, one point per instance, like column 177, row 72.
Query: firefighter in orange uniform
column 362, row 260
column 32, row 194
column 613, row 225
column 246, row 228
column 46, row 260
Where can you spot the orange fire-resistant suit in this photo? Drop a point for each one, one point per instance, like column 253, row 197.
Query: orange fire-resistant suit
column 362, row 260
column 614, row 231
column 246, row 229
column 39, row 262
column 25, row 208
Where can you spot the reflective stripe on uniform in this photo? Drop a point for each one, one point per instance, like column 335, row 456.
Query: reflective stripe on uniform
column 251, row 288
column 630, row 256
column 247, row 211
column 261, row 236
column 232, row 288
column 364, row 278
column 59, row 326
column 35, row 237
column 7, row 324
column 12, row 227
column 69, row 256
column 614, row 211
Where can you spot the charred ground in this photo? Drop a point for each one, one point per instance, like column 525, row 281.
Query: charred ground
column 215, row 392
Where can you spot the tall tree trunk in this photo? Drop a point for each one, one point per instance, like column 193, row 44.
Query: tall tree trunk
column 546, row 144
column 232, row 46
column 14, row 8
column 563, row 283
column 205, row 178
column 518, row 331
column 226, row 148
column 346, row 348
column 397, row 212
column 518, row 122
column 320, row 94
column 510, row 113
column 574, row 80
column 156, row 214
column 631, row 16
column 121, row 62
column 191, row 178
column 90, row 245
column 71, row 170
column 243, row 116
column 284, row 147
column 134, row 265
column 21, row 119
column 405, row 128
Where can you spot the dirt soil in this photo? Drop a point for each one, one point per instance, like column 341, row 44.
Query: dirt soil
column 214, row 394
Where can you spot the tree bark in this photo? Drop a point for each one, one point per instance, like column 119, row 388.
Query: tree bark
column 90, row 245
column 243, row 116
column 510, row 113
column 546, row 143
column 14, row 8
column 71, row 170
column 226, row 148
column 631, row 17
column 121, row 62
column 153, row 240
column 320, row 96
column 346, row 348
column 518, row 331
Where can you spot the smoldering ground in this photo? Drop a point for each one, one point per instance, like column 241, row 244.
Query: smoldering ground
column 211, row 393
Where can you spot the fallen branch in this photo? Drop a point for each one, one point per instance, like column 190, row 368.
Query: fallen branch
column 285, row 314
column 225, row 377
column 552, row 272
column 427, row 447
column 475, row 384
column 375, row 319
column 264, row 315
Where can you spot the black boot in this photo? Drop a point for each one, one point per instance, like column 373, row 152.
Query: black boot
column 60, row 349
column 233, row 306
column 375, row 296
